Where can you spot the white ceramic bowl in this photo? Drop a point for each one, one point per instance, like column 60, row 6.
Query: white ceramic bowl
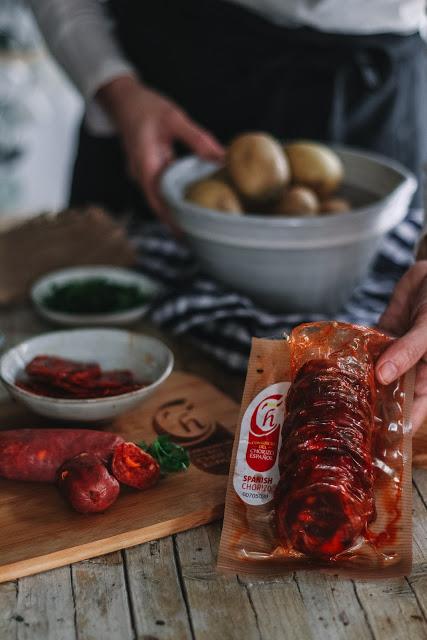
column 120, row 276
column 148, row 358
column 295, row 264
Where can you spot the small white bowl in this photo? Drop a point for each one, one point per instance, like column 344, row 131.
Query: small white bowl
column 43, row 286
column 148, row 358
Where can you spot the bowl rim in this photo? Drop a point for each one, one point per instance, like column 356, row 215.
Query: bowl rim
column 88, row 401
column 115, row 273
column 407, row 180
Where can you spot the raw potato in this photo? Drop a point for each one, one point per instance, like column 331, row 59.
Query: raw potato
column 315, row 166
column 257, row 166
column 297, row 201
column 213, row 193
column 334, row 205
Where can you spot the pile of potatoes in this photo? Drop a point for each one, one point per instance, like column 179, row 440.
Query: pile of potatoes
column 262, row 176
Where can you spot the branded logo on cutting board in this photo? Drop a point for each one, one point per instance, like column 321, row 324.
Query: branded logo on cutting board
column 208, row 442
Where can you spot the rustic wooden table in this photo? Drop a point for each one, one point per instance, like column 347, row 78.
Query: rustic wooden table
column 169, row 589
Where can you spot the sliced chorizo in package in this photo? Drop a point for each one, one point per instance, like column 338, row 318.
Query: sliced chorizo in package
column 321, row 468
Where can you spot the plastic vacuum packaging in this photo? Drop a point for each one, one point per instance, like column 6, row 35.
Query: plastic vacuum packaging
column 321, row 468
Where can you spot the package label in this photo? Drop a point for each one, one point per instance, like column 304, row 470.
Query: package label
column 256, row 471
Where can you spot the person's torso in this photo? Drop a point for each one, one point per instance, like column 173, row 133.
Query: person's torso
column 356, row 16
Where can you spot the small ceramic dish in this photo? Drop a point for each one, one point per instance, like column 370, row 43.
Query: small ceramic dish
column 148, row 358
column 44, row 285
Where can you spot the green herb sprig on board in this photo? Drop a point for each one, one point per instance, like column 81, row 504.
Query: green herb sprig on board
column 94, row 295
column 170, row 456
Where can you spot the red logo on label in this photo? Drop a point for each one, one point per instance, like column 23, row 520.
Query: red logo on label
column 264, row 432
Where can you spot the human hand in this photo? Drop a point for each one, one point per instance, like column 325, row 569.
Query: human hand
column 406, row 318
column 149, row 124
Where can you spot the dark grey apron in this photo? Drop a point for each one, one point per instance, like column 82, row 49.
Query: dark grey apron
column 233, row 71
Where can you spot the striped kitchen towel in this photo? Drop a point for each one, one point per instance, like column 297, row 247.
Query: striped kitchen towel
column 222, row 322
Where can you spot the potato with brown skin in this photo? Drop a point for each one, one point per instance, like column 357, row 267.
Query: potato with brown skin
column 213, row 193
column 87, row 484
column 257, row 166
column 297, row 201
column 316, row 166
column 334, row 205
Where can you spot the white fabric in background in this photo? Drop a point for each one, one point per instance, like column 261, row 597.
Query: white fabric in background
column 341, row 16
column 39, row 114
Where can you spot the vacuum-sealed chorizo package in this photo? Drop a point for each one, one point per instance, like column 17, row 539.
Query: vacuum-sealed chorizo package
column 320, row 476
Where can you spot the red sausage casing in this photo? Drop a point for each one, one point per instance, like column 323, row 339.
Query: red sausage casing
column 134, row 467
column 34, row 455
column 88, row 485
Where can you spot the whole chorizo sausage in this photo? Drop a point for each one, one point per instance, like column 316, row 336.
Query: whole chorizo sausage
column 34, row 455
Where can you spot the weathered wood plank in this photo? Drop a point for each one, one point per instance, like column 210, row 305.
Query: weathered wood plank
column 332, row 609
column 155, row 594
column 279, row 608
column 418, row 578
column 420, row 479
column 419, row 496
column 392, row 609
column 8, row 599
column 220, row 607
column 38, row 607
column 100, row 599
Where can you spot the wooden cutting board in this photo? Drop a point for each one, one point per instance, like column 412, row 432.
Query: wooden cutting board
column 40, row 531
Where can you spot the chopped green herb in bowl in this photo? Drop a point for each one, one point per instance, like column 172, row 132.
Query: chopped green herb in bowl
column 94, row 295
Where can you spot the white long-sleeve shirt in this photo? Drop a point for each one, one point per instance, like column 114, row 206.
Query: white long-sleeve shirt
column 79, row 34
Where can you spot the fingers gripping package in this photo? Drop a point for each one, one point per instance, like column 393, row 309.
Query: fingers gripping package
column 321, row 469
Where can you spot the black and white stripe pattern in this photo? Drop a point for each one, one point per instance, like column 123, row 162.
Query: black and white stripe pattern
column 223, row 322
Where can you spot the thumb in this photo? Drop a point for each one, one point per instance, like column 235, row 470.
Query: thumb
column 200, row 141
column 402, row 354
